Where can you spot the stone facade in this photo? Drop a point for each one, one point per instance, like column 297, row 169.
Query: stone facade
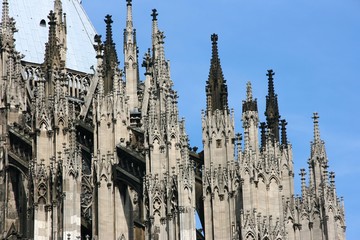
column 104, row 155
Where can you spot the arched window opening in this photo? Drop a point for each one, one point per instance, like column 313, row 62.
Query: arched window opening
column 42, row 23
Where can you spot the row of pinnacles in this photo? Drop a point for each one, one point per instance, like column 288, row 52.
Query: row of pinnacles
column 103, row 155
column 251, row 195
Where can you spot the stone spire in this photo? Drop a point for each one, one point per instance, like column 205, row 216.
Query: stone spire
column 61, row 31
column 110, row 56
column 318, row 160
column 219, row 147
column 316, row 128
column 53, row 61
column 5, row 14
column 155, row 30
column 320, row 197
column 250, row 118
column 303, row 182
column 58, row 10
column 272, row 109
column 216, row 89
column 7, row 27
column 250, row 104
column 10, row 78
column 263, row 134
column 167, row 156
column 283, row 133
column 131, row 61
column 52, row 49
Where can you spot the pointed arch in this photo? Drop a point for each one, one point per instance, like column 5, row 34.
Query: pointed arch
column 277, row 180
column 304, row 216
column 61, row 121
column 156, row 140
column 250, row 236
column 44, row 124
column 173, row 137
column 103, row 177
column 261, row 175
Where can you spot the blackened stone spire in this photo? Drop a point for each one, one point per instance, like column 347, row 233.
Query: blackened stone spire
column 272, row 109
column 216, row 88
column 283, row 133
column 110, row 56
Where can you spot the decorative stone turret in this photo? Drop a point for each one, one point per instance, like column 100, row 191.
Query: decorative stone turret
column 169, row 187
column 320, row 210
column 111, row 122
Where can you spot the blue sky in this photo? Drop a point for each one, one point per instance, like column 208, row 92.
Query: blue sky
column 313, row 47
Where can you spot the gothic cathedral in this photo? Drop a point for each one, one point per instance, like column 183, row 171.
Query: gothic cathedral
column 91, row 150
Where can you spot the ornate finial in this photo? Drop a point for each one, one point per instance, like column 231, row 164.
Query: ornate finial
column 283, row 132
column 263, row 134
column 316, row 127
column 98, row 46
column 214, row 38
column 238, row 137
column 303, row 183
column 51, row 18
column 270, row 75
column 147, row 62
column 97, row 39
column 108, row 19
column 154, row 14
column 160, row 37
column 248, row 91
column 129, row 2
column 302, row 174
column 332, row 179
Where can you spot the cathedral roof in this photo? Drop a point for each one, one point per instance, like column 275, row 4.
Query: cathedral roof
column 32, row 23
